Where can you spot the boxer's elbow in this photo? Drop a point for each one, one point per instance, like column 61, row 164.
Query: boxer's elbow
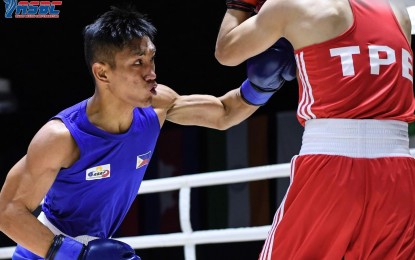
column 225, row 56
column 224, row 125
column 6, row 218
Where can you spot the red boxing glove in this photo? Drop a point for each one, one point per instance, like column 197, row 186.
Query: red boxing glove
column 243, row 5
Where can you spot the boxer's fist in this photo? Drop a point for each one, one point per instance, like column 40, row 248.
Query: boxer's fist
column 108, row 249
column 277, row 61
column 268, row 71
column 65, row 248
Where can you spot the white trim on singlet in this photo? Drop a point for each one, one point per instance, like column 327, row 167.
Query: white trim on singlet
column 84, row 239
column 359, row 138
column 307, row 99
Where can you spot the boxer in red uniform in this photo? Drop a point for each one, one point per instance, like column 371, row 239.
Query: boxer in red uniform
column 352, row 185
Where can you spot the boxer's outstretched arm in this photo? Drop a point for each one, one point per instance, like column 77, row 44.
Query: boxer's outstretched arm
column 266, row 73
column 202, row 110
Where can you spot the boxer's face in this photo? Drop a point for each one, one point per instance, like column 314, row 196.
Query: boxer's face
column 133, row 76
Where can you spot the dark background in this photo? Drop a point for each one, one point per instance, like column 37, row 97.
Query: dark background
column 43, row 59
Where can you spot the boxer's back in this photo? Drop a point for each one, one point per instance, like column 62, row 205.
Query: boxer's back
column 322, row 20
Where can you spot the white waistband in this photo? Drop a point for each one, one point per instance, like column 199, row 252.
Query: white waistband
column 361, row 138
column 84, row 239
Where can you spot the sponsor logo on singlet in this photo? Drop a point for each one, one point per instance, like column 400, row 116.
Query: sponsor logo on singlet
column 143, row 159
column 98, row 172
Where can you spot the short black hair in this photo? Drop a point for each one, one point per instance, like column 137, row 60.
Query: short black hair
column 112, row 31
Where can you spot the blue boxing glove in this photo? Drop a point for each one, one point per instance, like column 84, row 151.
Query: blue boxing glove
column 65, row 248
column 267, row 72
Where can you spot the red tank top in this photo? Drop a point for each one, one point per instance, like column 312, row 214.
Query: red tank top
column 365, row 73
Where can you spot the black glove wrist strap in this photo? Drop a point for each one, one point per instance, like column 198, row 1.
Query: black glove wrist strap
column 57, row 242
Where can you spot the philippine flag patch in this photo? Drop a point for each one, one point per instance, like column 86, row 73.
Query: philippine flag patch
column 143, row 159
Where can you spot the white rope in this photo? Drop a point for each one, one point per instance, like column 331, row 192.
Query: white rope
column 7, row 252
column 215, row 236
column 215, row 178
column 184, row 213
column 184, row 209
column 189, row 238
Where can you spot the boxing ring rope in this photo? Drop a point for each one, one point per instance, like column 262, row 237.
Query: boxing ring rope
column 189, row 238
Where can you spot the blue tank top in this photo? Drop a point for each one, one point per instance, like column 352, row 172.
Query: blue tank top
column 93, row 196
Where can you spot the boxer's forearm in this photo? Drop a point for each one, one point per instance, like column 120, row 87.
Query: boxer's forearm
column 23, row 228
